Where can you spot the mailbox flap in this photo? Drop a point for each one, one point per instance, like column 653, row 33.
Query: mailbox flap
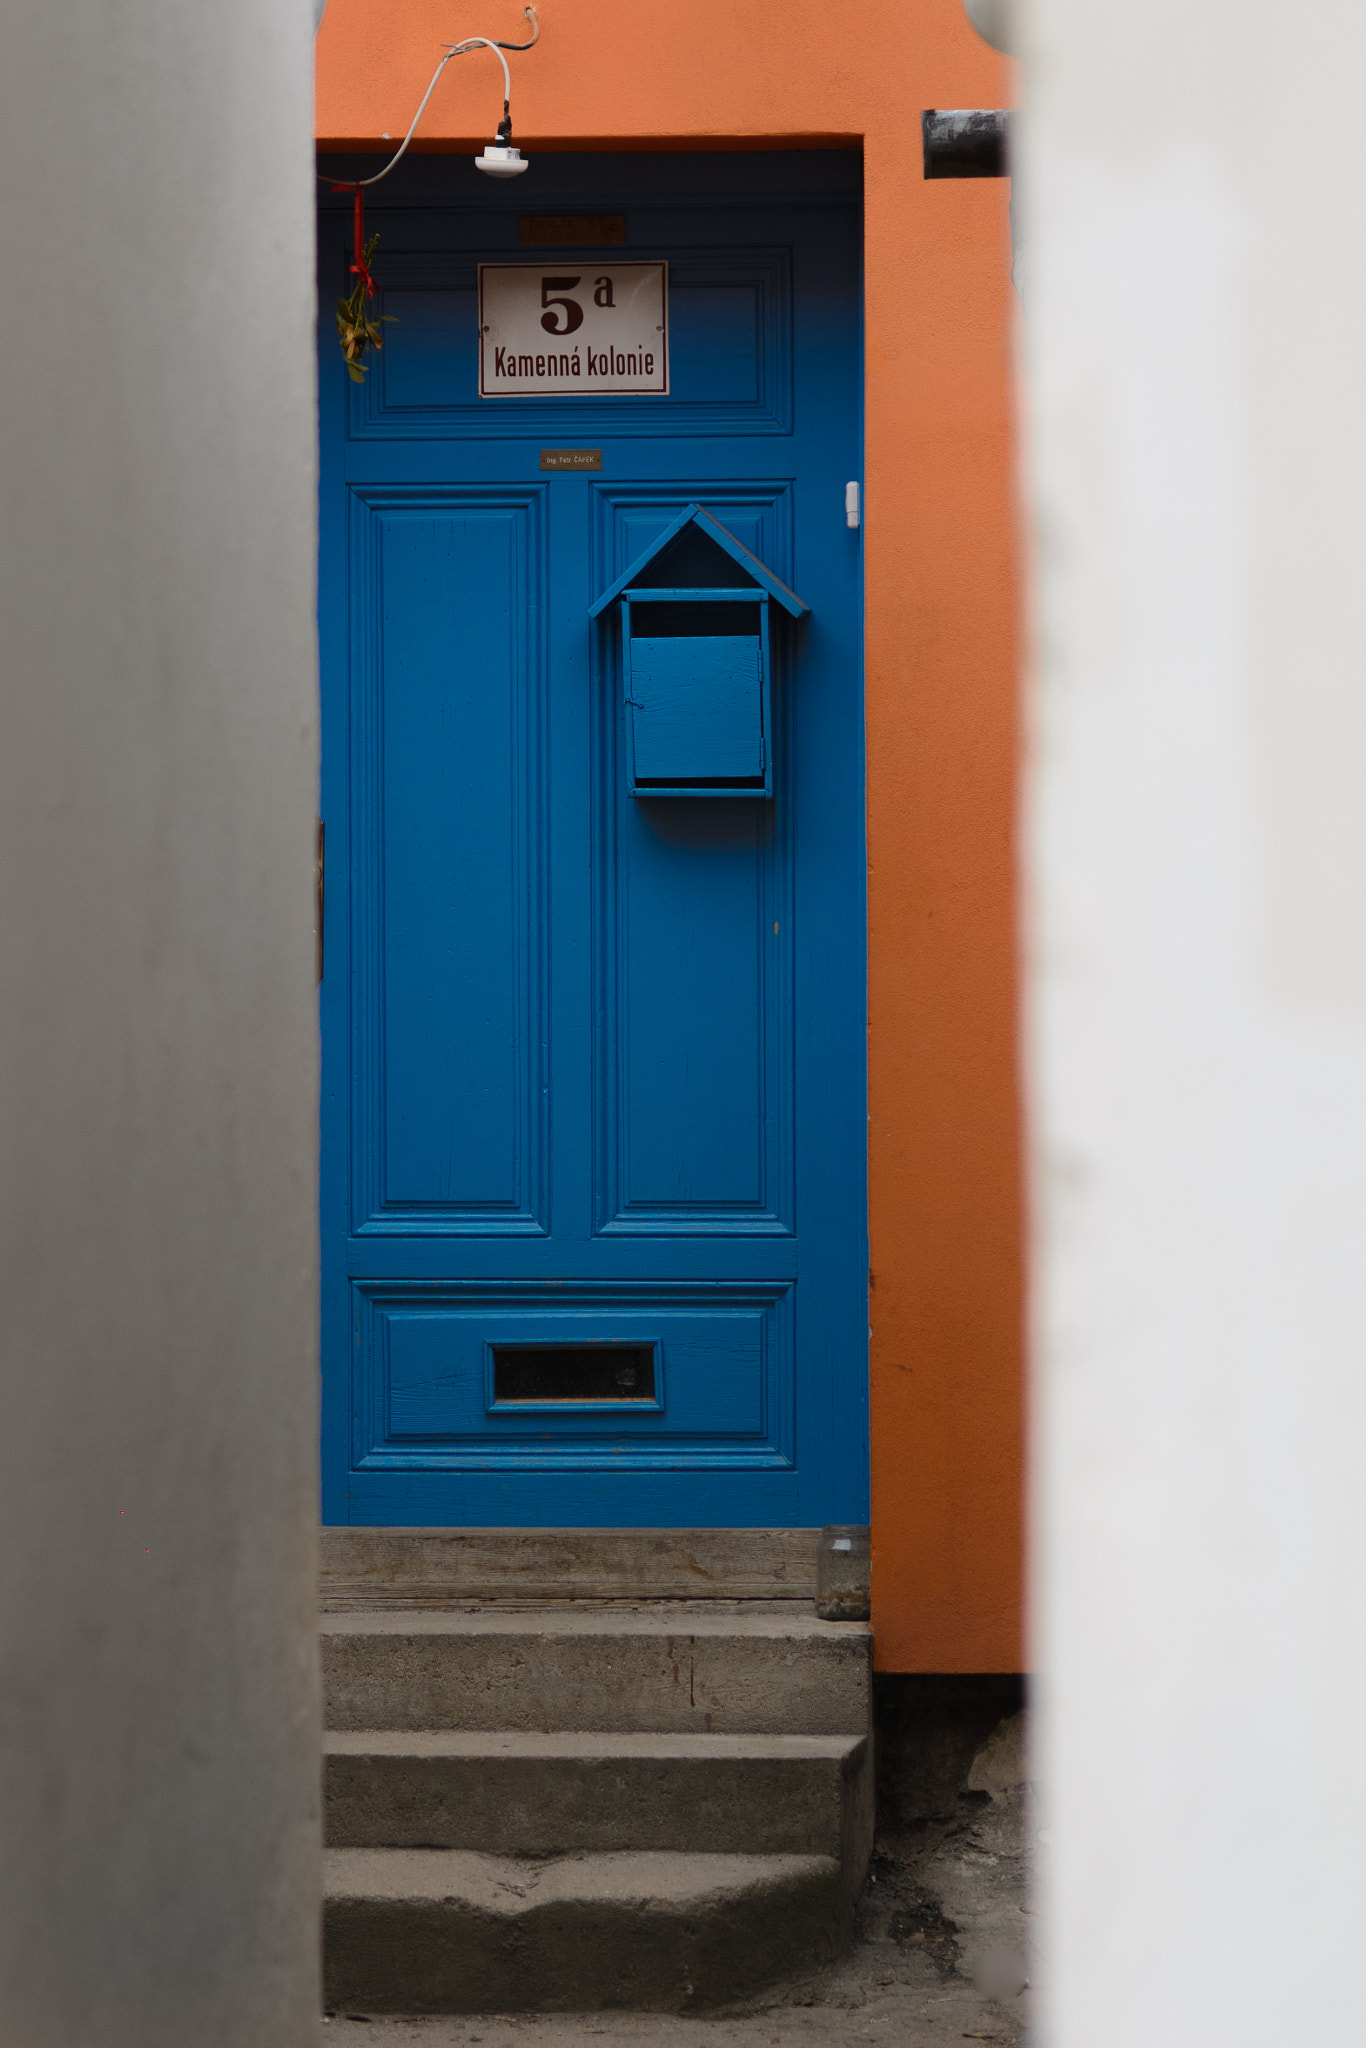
column 696, row 705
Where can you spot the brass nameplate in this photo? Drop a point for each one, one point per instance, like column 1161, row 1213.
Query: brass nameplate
column 541, row 229
column 571, row 458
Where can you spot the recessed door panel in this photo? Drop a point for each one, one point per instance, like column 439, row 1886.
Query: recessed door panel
column 730, row 358
column 428, row 1376
column 696, row 967
column 692, row 1021
column 450, row 896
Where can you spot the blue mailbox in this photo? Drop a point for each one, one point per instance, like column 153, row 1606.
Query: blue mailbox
column 696, row 662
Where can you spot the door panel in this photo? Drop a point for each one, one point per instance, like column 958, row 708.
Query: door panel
column 721, row 1379
column 691, row 1027
column 593, row 1064
column 730, row 357
column 449, row 709
column 698, row 991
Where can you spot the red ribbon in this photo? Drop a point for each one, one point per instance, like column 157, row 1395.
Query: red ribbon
column 359, row 267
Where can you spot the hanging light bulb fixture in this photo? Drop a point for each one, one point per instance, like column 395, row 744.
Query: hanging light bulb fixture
column 500, row 159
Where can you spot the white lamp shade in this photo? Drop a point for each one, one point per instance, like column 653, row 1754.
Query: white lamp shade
column 500, row 160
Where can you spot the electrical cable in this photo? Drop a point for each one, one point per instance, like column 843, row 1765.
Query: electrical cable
column 452, row 50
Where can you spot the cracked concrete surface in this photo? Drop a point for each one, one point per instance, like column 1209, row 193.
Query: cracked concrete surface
column 943, row 1949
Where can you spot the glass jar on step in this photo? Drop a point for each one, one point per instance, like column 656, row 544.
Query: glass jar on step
column 843, row 1568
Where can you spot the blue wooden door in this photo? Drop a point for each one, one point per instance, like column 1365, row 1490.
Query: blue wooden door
column 594, row 1105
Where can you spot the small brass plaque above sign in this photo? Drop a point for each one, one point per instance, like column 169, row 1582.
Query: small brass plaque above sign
column 571, row 458
column 540, row 230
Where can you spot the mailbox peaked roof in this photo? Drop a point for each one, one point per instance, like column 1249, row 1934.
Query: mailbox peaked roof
column 693, row 515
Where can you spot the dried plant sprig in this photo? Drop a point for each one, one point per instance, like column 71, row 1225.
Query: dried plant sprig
column 358, row 330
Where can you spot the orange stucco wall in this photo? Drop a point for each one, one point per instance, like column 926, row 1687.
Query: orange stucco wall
column 941, row 630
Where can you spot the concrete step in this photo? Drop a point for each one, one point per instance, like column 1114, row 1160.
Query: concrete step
column 435, row 1567
column 545, row 1795
column 447, row 1930
column 684, row 1668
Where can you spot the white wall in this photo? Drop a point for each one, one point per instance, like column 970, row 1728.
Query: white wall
column 158, row 1745
column 1194, row 200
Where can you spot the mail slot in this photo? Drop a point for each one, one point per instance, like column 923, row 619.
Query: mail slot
column 696, row 663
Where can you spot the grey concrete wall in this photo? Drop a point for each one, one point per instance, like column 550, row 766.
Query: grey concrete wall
column 1194, row 304
column 158, row 1776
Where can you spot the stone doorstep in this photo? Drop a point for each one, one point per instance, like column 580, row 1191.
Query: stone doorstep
column 764, row 1668
column 388, row 1567
column 784, row 1618
column 547, row 1795
column 432, row 1930
column 658, row 1804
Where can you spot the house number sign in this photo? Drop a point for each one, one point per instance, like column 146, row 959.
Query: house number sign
column 573, row 328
